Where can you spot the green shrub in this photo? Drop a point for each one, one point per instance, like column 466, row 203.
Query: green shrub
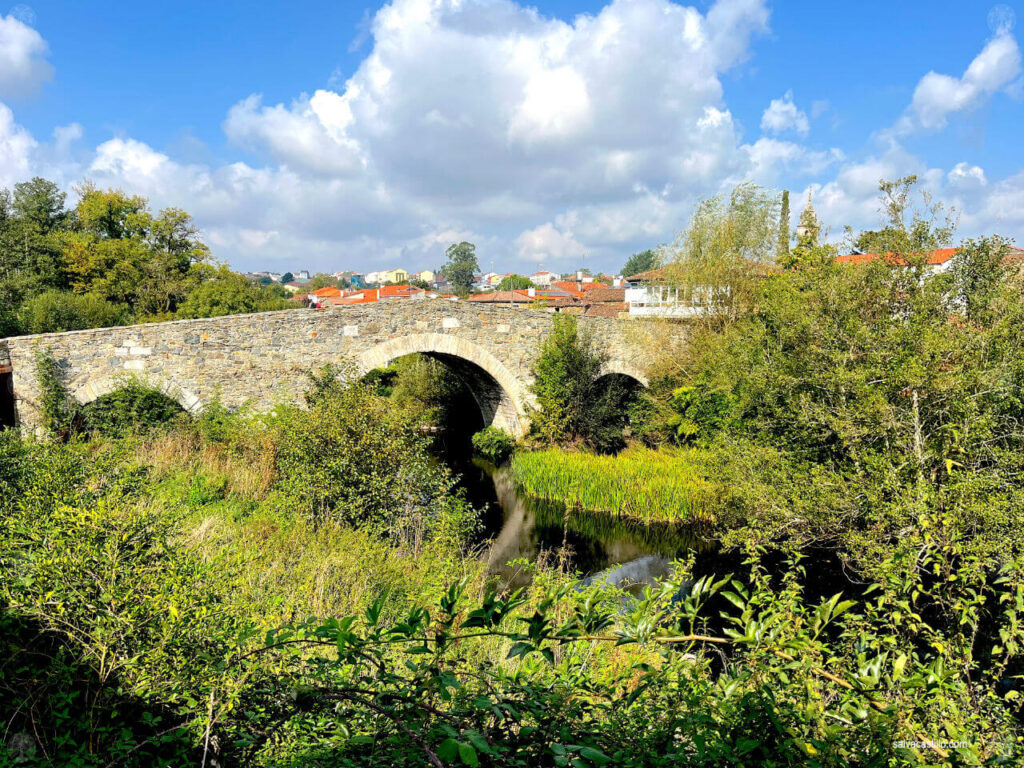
column 354, row 458
column 575, row 402
column 700, row 412
column 59, row 411
column 54, row 311
column 493, row 444
column 230, row 293
column 133, row 407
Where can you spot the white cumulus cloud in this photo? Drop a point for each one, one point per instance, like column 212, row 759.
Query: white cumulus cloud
column 23, row 64
column 783, row 115
column 937, row 96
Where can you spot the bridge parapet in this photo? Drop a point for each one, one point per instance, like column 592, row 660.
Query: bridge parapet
column 262, row 359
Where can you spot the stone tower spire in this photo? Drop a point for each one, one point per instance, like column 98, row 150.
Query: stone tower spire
column 808, row 228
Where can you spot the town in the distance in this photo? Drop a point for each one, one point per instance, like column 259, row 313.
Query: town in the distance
column 578, row 292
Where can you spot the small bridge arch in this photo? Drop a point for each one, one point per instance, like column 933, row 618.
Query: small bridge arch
column 95, row 389
column 499, row 394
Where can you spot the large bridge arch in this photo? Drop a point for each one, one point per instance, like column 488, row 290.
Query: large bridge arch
column 623, row 368
column 499, row 394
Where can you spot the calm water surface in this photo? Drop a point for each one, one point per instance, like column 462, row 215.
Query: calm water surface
column 597, row 546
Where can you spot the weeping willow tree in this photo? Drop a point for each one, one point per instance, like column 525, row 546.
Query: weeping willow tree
column 718, row 261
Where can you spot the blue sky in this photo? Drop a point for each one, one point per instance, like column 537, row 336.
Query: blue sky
column 347, row 135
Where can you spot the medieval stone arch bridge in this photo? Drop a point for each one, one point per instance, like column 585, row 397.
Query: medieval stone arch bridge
column 262, row 359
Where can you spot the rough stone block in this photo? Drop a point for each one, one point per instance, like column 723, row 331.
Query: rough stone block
column 450, row 322
column 350, row 330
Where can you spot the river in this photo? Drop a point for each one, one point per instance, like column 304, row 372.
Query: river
column 594, row 545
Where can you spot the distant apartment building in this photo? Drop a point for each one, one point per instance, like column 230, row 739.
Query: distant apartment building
column 543, row 278
column 354, row 279
column 387, row 276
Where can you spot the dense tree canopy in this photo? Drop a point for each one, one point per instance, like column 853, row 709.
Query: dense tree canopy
column 643, row 261
column 106, row 261
column 514, row 282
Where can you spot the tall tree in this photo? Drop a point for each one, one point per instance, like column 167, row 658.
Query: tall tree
column 41, row 203
column 784, row 226
column 461, row 266
column 644, row 261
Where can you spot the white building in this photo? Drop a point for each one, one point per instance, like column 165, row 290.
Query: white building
column 544, row 279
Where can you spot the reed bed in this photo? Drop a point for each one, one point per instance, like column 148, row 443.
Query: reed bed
column 664, row 486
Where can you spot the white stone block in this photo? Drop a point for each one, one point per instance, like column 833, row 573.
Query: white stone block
column 504, row 327
column 135, row 365
column 449, row 322
column 141, row 350
column 121, row 351
column 350, row 330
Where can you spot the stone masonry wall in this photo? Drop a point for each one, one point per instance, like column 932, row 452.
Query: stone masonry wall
column 262, row 359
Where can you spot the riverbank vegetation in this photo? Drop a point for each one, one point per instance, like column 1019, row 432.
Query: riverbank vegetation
column 639, row 483
column 169, row 601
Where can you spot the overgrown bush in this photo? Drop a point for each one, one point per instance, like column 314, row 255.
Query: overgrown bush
column 494, row 444
column 574, row 402
column 699, row 413
column 53, row 311
column 132, row 407
column 60, row 413
column 352, row 457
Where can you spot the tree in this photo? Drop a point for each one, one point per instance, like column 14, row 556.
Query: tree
column 720, row 260
column 515, row 283
column 229, row 293
column 40, row 202
column 644, row 261
column 574, row 401
column 287, row 277
column 117, row 249
column 784, row 226
column 461, row 266
column 322, row 280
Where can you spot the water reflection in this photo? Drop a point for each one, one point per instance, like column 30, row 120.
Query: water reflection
column 597, row 546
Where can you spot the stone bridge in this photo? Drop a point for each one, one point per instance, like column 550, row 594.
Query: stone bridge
column 262, row 359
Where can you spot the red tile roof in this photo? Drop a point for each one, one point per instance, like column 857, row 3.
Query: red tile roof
column 649, row 275
column 603, row 294
column 932, row 258
column 578, row 287
column 399, row 291
column 606, row 310
column 328, row 290
column 365, row 296
column 548, row 298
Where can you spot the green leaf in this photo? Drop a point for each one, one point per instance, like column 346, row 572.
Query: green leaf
column 448, row 749
column 467, row 754
column 595, row 756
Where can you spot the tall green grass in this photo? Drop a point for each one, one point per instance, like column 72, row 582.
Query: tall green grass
column 664, row 486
